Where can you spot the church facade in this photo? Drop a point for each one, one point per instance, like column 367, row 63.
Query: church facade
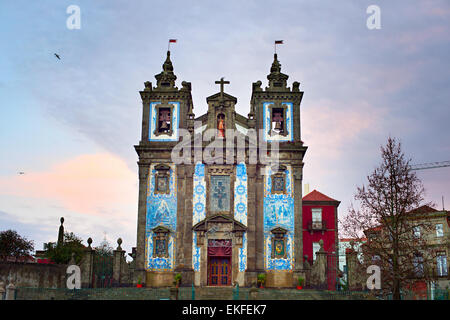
column 216, row 217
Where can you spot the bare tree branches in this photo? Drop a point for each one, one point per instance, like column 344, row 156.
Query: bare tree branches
column 384, row 216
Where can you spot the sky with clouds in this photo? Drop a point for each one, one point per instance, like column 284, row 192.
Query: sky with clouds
column 71, row 124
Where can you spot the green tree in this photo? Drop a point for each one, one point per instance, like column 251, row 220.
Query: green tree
column 61, row 254
column 14, row 245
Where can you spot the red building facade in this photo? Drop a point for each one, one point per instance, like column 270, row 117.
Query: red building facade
column 320, row 222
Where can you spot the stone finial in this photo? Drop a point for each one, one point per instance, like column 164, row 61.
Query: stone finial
column 72, row 259
column 148, row 86
column 186, row 86
column 89, row 241
column 61, row 232
column 119, row 242
column 166, row 79
column 10, row 291
column 321, row 245
column 277, row 80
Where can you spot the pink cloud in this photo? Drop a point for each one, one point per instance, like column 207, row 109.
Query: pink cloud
column 94, row 184
column 328, row 125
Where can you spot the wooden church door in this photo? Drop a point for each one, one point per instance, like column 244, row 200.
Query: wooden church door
column 219, row 271
column 219, row 262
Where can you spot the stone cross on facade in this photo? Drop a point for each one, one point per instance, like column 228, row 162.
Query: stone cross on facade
column 222, row 83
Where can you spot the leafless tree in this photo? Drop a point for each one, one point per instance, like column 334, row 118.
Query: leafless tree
column 385, row 216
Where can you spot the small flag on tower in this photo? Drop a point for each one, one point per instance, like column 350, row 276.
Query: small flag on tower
column 171, row 41
column 275, row 45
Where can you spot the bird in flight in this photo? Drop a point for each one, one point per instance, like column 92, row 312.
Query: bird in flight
column 57, row 56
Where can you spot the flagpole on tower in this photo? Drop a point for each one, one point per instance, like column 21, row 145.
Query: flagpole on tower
column 171, row 41
column 275, row 45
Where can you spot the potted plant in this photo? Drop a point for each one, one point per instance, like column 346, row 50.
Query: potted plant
column 139, row 284
column 177, row 280
column 261, row 280
column 301, row 281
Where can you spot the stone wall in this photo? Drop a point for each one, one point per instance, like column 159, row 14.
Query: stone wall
column 33, row 274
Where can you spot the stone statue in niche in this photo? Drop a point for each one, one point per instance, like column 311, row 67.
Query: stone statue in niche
column 221, row 125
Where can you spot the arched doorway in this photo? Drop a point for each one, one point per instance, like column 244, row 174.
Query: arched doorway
column 219, row 262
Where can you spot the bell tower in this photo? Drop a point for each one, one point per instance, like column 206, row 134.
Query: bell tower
column 161, row 208
column 275, row 114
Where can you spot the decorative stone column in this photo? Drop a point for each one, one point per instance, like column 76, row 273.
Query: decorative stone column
column 298, row 226
column 2, row 290
column 259, row 220
column 87, row 266
column 186, row 270
column 250, row 275
column 118, row 263
column 319, row 269
column 10, row 292
column 140, row 272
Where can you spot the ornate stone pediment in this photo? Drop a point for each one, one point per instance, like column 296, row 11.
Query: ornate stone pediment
column 279, row 230
column 161, row 229
column 220, row 218
column 220, row 225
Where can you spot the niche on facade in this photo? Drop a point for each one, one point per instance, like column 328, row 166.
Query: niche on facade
column 278, row 180
column 279, row 243
column 162, row 179
column 221, row 125
column 160, row 242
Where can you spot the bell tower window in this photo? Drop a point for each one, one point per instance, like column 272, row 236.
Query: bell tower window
column 164, row 120
column 278, row 121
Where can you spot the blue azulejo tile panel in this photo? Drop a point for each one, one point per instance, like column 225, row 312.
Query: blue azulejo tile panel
column 160, row 264
column 175, row 122
column 196, row 253
column 289, row 122
column 199, row 194
column 243, row 254
column 161, row 211
column 240, row 194
column 198, row 210
column 278, row 212
column 240, row 209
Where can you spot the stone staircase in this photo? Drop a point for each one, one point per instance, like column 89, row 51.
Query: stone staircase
column 214, row 293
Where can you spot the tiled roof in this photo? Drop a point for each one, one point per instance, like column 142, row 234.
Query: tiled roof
column 351, row 239
column 423, row 209
column 317, row 196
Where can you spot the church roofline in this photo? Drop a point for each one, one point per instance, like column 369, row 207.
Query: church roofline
column 217, row 96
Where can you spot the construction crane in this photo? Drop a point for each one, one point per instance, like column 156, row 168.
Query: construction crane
column 430, row 165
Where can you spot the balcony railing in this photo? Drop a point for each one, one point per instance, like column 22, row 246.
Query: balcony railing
column 317, row 226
